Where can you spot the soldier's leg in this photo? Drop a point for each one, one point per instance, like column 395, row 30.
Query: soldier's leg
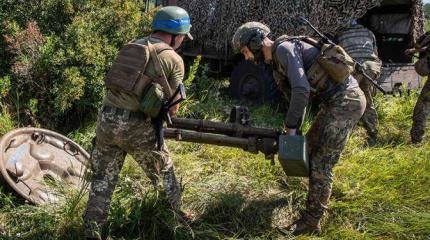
column 159, row 168
column 158, row 165
column 328, row 135
column 421, row 112
column 106, row 163
column 369, row 119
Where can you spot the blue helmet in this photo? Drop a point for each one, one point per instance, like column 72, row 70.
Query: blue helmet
column 172, row 19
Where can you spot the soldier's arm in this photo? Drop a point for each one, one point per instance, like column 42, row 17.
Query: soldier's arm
column 291, row 59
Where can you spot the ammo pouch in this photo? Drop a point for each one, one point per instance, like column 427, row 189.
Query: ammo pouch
column 422, row 66
column 152, row 100
column 336, row 62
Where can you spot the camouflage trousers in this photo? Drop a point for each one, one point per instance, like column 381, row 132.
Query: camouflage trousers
column 369, row 120
column 326, row 139
column 421, row 112
column 117, row 135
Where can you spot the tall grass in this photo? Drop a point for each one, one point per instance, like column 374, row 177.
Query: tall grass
column 379, row 193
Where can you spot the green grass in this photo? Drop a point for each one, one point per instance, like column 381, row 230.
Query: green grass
column 379, row 193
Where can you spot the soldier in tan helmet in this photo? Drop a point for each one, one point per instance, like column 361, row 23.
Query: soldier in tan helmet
column 299, row 75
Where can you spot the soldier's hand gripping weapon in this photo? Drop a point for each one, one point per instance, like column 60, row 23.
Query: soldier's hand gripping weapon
column 291, row 150
column 164, row 114
column 358, row 66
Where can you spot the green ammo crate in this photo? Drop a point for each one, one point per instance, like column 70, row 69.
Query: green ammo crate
column 293, row 155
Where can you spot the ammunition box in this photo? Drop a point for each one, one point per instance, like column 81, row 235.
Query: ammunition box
column 293, row 155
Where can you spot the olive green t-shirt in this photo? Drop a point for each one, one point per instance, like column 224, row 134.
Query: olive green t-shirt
column 172, row 65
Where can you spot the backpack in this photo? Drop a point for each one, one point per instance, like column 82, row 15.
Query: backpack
column 127, row 72
column 127, row 75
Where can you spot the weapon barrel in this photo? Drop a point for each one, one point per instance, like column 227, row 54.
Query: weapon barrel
column 207, row 138
column 232, row 129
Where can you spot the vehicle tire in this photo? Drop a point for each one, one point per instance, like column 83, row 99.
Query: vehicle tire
column 253, row 84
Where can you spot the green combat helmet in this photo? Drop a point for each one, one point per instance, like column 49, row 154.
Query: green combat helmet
column 250, row 34
column 173, row 20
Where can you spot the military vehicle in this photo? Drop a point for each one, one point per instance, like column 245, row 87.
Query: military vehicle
column 396, row 24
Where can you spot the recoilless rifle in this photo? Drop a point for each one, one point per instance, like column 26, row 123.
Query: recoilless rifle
column 238, row 133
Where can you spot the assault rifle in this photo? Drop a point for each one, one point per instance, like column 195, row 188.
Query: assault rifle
column 358, row 66
column 164, row 114
column 238, row 133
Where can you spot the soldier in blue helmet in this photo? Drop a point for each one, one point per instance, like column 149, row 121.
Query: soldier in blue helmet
column 125, row 125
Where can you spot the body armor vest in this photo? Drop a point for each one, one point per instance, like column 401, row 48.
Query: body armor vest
column 332, row 63
column 316, row 76
column 358, row 42
column 127, row 72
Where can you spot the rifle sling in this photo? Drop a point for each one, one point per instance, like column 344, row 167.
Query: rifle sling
column 161, row 78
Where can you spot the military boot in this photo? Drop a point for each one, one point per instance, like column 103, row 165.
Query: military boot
column 307, row 224
column 416, row 136
column 171, row 195
column 371, row 139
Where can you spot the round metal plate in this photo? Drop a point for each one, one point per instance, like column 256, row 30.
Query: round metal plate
column 35, row 161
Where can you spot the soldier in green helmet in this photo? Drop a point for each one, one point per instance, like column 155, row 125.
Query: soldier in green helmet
column 145, row 71
column 300, row 76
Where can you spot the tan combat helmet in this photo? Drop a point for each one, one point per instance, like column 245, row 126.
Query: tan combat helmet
column 250, row 34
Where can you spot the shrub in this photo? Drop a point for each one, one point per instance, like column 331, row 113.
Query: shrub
column 59, row 52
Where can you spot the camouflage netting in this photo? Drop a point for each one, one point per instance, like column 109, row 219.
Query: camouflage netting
column 418, row 19
column 218, row 19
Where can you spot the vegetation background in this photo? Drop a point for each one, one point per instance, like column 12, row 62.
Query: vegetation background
column 54, row 55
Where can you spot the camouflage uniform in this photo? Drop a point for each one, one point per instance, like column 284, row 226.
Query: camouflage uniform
column 360, row 43
column 421, row 112
column 369, row 120
column 422, row 107
column 300, row 77
column 122, row 129
column 326, row 139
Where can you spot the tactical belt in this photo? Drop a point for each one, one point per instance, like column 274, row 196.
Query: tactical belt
column 327, row 95
column 123, row 112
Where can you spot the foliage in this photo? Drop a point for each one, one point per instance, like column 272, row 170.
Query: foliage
column 6, row 122
column 61, row 50
column 427, row 11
